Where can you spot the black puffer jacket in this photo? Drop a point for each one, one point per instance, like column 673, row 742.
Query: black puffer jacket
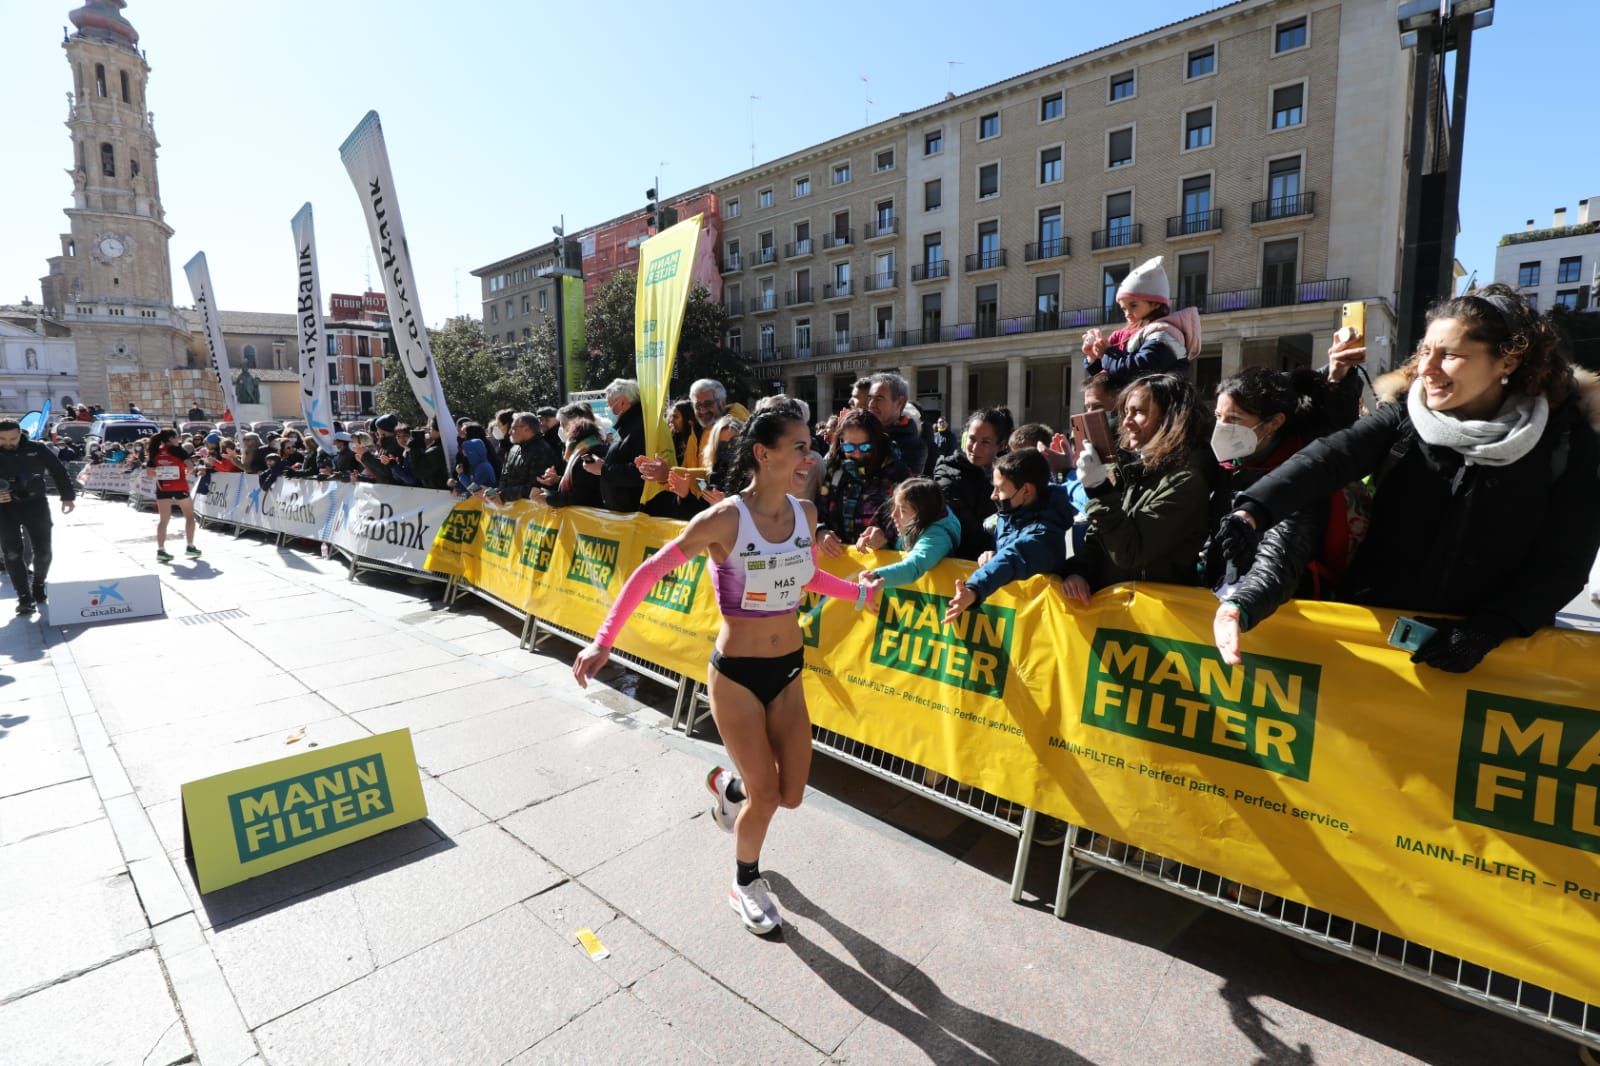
column 25, row 468
column 968, row 493
column 524, row 463
column 620, row 482
column 1505, row 546
column 427, row 462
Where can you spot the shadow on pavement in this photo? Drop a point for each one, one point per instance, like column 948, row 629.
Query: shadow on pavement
column 318, row 875
column 946, row 1031
column 8, row 722
column 197, row 570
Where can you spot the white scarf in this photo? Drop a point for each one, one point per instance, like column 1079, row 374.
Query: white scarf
column 1499, row 441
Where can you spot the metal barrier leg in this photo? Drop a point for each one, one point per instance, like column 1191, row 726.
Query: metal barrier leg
column 525, row 641
column 695, row 715
column 685, row 688
column 1024, row 846
column 1064, row 881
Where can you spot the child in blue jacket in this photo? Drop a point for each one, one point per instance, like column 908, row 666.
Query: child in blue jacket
column 927, row 532
column 1035, row 519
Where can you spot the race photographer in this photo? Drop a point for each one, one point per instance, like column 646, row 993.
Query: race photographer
column 24, row 465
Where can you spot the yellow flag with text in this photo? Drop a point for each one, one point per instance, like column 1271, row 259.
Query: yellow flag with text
column 666, row 265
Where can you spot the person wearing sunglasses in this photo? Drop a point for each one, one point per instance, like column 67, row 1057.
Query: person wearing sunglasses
column 858, row 486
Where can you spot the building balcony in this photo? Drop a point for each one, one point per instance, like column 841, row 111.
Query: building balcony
column 1289, row 295
column 1055, row 248
column 1127, row 235
column 991, row 259
column 838, row 291
column 1284, row 207
column 1193, row 225
column 881, row 229
column 883, row 282
column 836, row 239
column 763, row 257
column 770, row 353
column 764, row 303
column 931, row 270
column 800, row 297
column 733, row 307
column 1084, row 317
column 797, row 250
column 731, row 264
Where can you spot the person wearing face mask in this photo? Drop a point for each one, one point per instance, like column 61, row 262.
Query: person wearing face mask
column 1483, row 480
column 1034, row 518
column 858, row 485
column 1156, row 339
column 24, row 509
column 966, row 478
column 1263, row 418
column 1149, row 506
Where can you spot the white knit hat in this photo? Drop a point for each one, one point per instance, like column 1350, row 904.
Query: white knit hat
column 1147, row 281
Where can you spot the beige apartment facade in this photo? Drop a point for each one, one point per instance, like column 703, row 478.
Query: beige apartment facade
column 519, row 294
column 1258, row 148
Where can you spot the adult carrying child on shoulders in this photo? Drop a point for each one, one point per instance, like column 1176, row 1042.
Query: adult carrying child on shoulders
column 1156, row 340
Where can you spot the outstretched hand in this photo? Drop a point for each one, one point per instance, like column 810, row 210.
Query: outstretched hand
column 963, row 599
column 872, row 581
column 589, row 662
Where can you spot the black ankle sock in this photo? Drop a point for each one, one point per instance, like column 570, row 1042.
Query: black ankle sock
column 735, row 790
column 746, row 872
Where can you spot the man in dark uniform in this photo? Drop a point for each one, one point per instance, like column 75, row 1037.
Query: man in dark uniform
column 24, row 464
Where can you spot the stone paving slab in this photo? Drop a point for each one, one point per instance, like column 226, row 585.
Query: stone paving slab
column 570, row 907
column 483, row 995
column 44, row 810
column 120, row 1013
column 407, row 684
column 579, row 830
column 431, row 712
column 481, row 737
column 719, row 1022
column 620, row 1031
column 424, row 898
column 527, row 775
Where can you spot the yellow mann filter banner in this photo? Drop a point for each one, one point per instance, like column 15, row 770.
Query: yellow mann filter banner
column 1457, row 811
column 666, row 264
column 247, row 822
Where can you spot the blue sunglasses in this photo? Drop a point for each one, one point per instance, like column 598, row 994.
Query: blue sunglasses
column 851, row 449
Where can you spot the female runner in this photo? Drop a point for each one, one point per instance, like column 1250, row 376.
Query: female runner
column 170, row 462
column 762, row 546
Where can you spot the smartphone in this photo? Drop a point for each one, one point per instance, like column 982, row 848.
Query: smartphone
column 1354, row 316
column 700, row 483
column 1095, row 427
column 1409, row 634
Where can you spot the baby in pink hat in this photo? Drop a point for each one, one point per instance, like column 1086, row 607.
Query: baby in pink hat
column 1156, row 340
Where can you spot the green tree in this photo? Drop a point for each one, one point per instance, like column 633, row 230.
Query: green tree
column 476, row 385
column 534, row 369
column 609, row 322
column 608, row 331
column 702, row 354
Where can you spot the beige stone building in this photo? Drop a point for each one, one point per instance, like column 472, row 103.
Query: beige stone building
column 519, row 293
column 1259, row 148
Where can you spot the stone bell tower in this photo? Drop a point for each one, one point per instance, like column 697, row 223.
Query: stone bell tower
column 112, row 282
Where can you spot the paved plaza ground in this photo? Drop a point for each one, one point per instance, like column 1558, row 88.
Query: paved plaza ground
column 451, row 940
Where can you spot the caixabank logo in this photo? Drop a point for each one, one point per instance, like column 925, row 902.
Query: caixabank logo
column 105, row 602
column 676, row 590
column 971, row 653
column 1262, row 712
column 1530, row 768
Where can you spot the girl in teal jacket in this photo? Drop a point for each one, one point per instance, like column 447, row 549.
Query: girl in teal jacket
column 928, row 532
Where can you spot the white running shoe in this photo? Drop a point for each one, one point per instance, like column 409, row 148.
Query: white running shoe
column 725, row 811
column 755, row 906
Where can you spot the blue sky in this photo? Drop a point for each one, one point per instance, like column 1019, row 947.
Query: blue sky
column 502, row 116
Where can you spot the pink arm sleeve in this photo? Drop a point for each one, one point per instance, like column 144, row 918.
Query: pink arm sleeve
column 635, row 589
column 828, row 585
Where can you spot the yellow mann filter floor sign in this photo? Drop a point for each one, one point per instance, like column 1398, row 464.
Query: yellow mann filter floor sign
column 244, row 823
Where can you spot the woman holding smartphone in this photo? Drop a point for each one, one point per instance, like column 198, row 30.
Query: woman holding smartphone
column 1484, row 481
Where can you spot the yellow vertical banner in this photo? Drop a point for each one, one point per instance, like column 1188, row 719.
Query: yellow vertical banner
column 666, row 266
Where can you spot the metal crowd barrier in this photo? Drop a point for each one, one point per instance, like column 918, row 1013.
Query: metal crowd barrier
column 1443, row 973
